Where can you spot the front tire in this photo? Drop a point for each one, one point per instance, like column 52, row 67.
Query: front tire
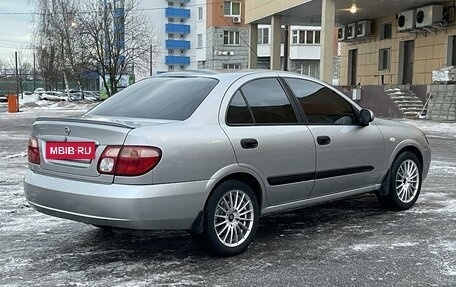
column 404, row 183
column 230, row 219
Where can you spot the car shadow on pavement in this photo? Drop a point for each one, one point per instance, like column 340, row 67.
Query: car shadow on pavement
column 337, row 212
column 99, row 246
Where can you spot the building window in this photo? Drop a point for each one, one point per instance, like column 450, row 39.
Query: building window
column 200, row 41
column 294, row 34
column 236, row 66
column 312, row 70
column 302, row 37
column 309, row 37
column 119, row 4
column 317, row 37
column 200, row 13
column 384, row 58
column 171, row 4
column 263, row 36
column 231, row 8
column 386, row 31
column 231, row 37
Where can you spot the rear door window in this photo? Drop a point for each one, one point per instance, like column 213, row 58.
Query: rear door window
column 168, row 98
column 268, row 102
column 238, row 111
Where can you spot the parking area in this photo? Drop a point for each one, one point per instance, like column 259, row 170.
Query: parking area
column 353, row 242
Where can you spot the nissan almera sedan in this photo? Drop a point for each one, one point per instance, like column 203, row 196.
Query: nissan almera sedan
column 210, row 153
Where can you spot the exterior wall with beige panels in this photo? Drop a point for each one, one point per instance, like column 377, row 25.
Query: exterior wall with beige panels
column 430, row 53
column 258, row 9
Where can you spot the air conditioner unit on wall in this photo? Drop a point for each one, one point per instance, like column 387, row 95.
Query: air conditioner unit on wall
column 341, row 33
column 406, row 20
column 237, row 19
column 426, row 16
column 363, row 28
column 351, row 31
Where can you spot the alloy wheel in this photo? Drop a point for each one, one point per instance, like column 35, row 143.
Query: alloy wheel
column 233, row 219
column 407, row 181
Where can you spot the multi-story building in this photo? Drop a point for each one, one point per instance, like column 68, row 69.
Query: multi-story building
column 212, row 34
column 404, row 46
column 223, row 40
column 222, row 36
column 303, row 49
column 174, row 23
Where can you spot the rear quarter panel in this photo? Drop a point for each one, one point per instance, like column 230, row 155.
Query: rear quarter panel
column 189, row 152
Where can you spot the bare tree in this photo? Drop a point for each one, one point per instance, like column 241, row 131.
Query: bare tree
column 117, row 40
column 111, row 37
column 47, row 65
column 2, row 67
column 24, row 67
column 58, row 38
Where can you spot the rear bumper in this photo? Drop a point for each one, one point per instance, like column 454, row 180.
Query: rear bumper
column 150, row 207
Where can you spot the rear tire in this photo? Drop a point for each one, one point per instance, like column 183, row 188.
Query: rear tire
column 230, row 219
column 404, row 183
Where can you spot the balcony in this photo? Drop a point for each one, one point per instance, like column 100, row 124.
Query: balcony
column 182, row 13
column 118, row 13
column 177, row 44
column 177, row 60
column 180, row 1
column 177, row 28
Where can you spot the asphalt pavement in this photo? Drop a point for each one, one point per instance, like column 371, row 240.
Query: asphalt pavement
column 353, row 242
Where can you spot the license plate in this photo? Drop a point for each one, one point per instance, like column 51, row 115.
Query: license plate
column 70, row 150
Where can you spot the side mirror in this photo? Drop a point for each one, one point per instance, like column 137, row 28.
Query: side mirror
column 366, row 116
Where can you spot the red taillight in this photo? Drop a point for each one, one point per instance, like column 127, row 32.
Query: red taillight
column 128, row 160
column 33, row 151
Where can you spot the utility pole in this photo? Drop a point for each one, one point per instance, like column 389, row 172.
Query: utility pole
column 151, row 72
column 34, row 71
column 17, row 74
column 286, row 48
column 17, row 82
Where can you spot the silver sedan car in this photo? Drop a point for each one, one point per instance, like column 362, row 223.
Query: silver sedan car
column 212, row 152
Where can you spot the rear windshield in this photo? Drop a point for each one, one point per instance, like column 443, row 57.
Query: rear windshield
column 158, row 98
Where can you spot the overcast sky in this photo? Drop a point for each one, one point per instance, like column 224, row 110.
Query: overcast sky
column 15, row 30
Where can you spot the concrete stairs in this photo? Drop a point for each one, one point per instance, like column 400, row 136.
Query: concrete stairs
column 406, row 100
column 442, row 105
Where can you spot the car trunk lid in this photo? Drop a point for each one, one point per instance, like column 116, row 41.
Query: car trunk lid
column 101, row 131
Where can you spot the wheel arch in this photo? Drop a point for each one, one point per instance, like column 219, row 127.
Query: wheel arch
column 409, row 146
column 248, row 179
column 231, row 173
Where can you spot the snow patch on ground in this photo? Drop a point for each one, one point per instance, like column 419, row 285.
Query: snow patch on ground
column 364, row 247
column 22, row 154
column 404, row 244
column 431, row 127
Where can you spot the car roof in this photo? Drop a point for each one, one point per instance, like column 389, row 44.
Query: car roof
column 232, row 74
